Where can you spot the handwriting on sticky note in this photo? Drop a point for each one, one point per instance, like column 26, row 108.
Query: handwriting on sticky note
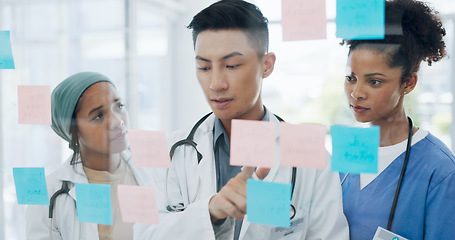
column 93, row 203
column 360, row 19
column 149, row 148
column 268, row 203
column 6, row 53
column 302, row 145
column 34, row 104
column 303, row 20
column 252, row 143
column 138, row 204
column 30, row 186
column 355, row 150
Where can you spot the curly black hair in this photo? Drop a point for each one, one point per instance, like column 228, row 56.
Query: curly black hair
column 413, row 33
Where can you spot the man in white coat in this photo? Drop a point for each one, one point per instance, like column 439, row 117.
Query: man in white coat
column 202, row 196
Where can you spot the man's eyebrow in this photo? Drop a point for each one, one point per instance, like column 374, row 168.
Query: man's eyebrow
column 202, row 59
column 222, row 58
column 231, row 55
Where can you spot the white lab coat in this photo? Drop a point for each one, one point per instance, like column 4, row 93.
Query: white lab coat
column 65, row 224
column 317, row 197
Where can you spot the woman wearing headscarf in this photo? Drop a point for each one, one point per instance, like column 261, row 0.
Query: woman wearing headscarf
column 88, row 113
column 413, row 193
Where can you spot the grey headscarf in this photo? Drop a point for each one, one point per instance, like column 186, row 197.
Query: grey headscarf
column 65, row 97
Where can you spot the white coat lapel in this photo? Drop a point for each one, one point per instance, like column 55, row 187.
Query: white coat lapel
column 206, row 168
column 73, row 174
column 78, row 230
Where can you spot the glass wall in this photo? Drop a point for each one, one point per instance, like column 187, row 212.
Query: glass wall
column 143, row 46
column 51, row 40
column 307, row 83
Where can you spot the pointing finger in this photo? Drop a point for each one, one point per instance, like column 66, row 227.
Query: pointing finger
column 262, row 172
column 246, row 173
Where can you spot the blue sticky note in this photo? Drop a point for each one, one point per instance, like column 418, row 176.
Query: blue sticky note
column 6, row 54
column 355, row 150
column 268, row 203
column 93, row 203
column 360, row 19
column 30, row 186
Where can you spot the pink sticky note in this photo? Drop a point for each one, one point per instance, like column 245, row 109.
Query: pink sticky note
column 149, row 148
column 253, row 143
column 138, row 204
column 303, row 20
column 34, row 104
column 302, row 145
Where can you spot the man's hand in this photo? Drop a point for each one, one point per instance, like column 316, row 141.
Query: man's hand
column 231, row 199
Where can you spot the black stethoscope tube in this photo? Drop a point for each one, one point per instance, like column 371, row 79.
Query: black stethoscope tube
column 64, row 190
column 294, row 174
column 400, row 180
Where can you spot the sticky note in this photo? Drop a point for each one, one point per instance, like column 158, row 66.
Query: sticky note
column 303, row 20
column 6, row 54
column 138, row 204
column 355, row 150
column 93, row 203
column 149, row 148
column 30, row 186
column 360, row 19
column 252, row 143
column 303, row 145
column 268, row 203
column 34, row 104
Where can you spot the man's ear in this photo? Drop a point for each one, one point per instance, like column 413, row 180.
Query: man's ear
column 269, row 63
column 410, row 84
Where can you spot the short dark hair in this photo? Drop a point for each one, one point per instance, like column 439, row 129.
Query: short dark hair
column 420, row 38
column 234, row 15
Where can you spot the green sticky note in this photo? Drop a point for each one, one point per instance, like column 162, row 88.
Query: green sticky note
column 30, row 186
column 360, row 19
column 93, row 203
column 6, row 54
column 268, row 203
column 355, row 150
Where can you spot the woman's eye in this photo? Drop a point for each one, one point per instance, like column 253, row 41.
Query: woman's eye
column 97, row 116
column 349, row 78
column 375, row 82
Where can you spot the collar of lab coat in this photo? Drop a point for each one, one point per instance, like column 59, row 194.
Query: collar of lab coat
column 206, row 168
column 75, row 174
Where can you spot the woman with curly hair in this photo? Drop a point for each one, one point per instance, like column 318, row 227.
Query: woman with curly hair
column 413, row 193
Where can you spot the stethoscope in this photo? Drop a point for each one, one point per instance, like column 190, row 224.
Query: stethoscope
column 63, row 190
column 400, row 180
column 190, row 141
